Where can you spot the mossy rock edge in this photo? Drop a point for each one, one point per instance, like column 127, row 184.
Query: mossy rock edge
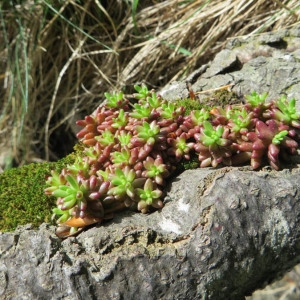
column 22, row 198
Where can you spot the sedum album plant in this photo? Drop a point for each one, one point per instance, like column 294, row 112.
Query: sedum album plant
column 130, row 148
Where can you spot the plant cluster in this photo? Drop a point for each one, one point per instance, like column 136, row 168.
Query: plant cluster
column 130, row 148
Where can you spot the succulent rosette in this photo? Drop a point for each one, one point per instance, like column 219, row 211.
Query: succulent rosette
column 130, row 148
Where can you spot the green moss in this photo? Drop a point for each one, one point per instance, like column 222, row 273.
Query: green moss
column 221, row 98
column 190, row 105
column 218, row 98
column 22, row 198
column 192, row 163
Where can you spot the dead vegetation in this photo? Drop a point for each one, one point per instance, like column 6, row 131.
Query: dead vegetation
column 57, row 58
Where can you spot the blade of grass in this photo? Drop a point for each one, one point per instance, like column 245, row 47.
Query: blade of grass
column 77, row 28
column 134, row 6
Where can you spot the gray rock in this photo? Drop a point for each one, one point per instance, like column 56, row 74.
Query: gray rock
column 222, row 234
column 266, row 63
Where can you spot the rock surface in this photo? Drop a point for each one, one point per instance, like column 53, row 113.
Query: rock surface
column 222, row 233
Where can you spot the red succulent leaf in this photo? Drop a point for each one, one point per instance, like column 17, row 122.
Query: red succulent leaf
column 266, row 132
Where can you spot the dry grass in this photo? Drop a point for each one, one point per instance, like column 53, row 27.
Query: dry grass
column 57, row 59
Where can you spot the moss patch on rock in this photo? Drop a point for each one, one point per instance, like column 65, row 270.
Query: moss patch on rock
column 22, row 198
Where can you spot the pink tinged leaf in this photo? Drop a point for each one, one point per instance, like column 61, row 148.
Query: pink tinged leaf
column 295, row 124
column 138, row 166
column 290, row 143
column 252, row 136
column 93, row 181
column 148, row 184
column 142, row 205
column 255, row 163
column 82, row 206
column 148, row 162
column 178, row 153
column 178, row 132
column 81, row 123
column 144, row 151
column 272, row 158
column 159, row 180
column 100, row 118
column 292, row 132
column 244, row 131
column 165, row 123
column 49, row 190
column 273, row 151
column 106, row 151
column 138, row 173
column 258, row 145
column 245, row 146
column 158, row 160
column 257, row 154
column 214, row 163
column 90, row 127
column 137, row 142
column 81, row 133
column 134, row 155
column 89, row 135
column 205, row 163
column 89, row 142
column 275, row 165
column 202, row 156
column 89, row 120
column 200, row 147
column 273, row 125
column 184, row 128
column 264, row 132
column 95, row 195
column 157, row 203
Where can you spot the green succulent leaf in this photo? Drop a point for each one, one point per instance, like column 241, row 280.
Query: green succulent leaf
column 114, row 100
column 123, row 180
column 121, row 119
column 124, row 138
column 287, row 110
column 80, row 165
column 106, row 138
column 60, row 193
column 64, row 214
column 255, row 99
column 277, row 139
column 154, row 101
column 240, row 118
column 147, row 131
column 168, row 110
column 142, row 90
column 104, row 174
column 73, row 182
column 199, row 116
column 140, row 111
column 121, row 157
column 212, row 136
column 148, row 194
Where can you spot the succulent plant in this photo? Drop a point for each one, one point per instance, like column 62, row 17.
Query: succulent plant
column 131, row 148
